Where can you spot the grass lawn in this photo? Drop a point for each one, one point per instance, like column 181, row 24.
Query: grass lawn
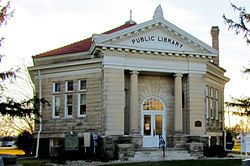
column 219, row 162
column 32, row 162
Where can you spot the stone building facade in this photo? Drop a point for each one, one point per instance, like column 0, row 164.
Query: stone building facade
column 136, row 81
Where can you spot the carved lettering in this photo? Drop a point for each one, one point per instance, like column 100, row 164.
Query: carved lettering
column 142, row 39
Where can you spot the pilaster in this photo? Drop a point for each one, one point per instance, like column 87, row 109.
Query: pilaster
column 134, row 102
column 178, row 102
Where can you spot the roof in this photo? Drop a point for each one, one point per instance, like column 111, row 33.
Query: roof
column 82, row 45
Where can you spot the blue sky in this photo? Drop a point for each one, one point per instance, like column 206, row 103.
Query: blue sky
column 38, row 26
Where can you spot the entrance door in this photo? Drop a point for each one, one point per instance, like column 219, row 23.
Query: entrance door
column 153, row 122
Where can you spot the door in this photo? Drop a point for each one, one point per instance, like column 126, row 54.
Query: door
column 153, row 122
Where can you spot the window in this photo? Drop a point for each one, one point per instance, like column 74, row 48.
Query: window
column 153, row 104
column 54, row 146
column 69, row 86
column 82, row 85
column 198, row 123
column 216, row 105
column 212, row 103
column 207, row 102
column 81, row 104
column 56, row 87
column 56, row 107
column 68, row 105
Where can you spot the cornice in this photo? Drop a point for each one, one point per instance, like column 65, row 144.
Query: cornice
column 155, row 56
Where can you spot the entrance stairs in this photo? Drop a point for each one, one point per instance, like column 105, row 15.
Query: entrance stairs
column 155, row 154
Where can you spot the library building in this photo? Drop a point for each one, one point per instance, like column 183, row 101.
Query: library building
column 131, row 88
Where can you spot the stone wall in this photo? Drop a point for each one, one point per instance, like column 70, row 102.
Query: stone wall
column 56, row 127
column 196, row 104
column 113, row 101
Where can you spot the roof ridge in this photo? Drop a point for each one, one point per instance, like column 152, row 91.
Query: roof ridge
column 81, row 45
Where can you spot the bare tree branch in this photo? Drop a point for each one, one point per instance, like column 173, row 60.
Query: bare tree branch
column 242, row 25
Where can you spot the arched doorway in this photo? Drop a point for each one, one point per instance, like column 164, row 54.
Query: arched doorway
column 153, row 121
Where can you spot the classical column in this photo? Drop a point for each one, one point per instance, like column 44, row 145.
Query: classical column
column 134, row 102
column 178, row 102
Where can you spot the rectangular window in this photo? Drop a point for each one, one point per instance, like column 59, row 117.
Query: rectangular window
column 216, row 105
column 56, row 107
column 68, row 105
column 81, row 104
column 56, row 87
column 82, row 85
column 211, row 103
column 69, row 86
column 207, row 102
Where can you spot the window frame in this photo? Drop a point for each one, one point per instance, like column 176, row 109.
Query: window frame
column 66, row 113
column 79, row 85
column 207, row 106
column 67, row 84
column 211, row 103
column 79, row 105
column 54, row 106
column 54, row 87
column 216, row 100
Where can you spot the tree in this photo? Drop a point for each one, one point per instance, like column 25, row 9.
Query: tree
column 8, row 105
column 242, row 25
column 23, row 90
column 242, row 106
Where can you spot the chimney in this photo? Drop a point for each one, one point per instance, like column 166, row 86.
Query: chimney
column 215, row 41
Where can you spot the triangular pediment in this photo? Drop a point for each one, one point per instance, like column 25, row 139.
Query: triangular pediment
column 154, row 39
column 155, row 35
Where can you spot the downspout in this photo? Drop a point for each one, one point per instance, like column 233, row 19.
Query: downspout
column 40, row 112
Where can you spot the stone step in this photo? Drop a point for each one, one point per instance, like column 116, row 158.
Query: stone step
column 152, row 154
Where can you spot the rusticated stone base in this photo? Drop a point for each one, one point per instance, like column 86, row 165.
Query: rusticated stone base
column 125, row 151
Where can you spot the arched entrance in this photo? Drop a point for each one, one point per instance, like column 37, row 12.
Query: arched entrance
column 153, row 121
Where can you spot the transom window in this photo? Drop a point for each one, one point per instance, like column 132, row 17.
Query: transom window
column 56, row 87
column 82, row 85
column 69, row 86
column 153, row 104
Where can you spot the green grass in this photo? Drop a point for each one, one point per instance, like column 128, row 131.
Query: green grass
column 219, row 162
column 32, row 162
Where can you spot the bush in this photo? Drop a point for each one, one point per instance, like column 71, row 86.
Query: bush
column 24, row 142
column 216, row 151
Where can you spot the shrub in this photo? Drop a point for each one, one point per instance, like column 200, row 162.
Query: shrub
column 215, row 151
column 24, row 142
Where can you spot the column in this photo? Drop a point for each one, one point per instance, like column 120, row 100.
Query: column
column 178, row 102
column 134, row 102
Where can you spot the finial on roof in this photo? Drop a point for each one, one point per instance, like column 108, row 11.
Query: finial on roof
column 130, row 19
column 158, row 12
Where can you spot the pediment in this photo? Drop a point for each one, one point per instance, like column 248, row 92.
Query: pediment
column 154, row 39
column 155, row 35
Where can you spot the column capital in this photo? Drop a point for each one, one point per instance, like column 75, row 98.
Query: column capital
column 134, row 72
column 178, row 75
